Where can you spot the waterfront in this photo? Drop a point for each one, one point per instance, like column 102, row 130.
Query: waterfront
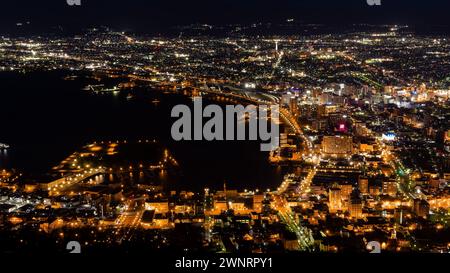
column 371, row 146
column 44, row 123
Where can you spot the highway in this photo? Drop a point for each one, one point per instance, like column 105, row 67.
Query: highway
column 304, row 238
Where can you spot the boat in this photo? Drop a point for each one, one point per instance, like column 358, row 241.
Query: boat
column 101, row 89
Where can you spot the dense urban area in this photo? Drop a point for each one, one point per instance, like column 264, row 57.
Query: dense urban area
column 366, row 133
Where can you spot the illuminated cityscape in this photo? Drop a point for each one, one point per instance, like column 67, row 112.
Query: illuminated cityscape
column 364, row 152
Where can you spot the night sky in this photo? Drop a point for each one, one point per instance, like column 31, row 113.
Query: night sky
column 160, row 14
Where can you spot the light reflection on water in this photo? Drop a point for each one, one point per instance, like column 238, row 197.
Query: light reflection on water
column 131, row 178
column 4, row 159
column 37, row 145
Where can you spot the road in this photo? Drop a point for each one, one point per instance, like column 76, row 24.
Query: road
column 404, row 183
column 304, row 238
column 128, row 222
column 305, row 186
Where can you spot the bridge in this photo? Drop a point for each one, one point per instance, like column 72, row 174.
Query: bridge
column 62, row 184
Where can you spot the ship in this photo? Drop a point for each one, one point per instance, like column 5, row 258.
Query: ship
column 4, row 146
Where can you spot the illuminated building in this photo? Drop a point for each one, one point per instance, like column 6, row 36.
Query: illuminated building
column 361, row 129
column 237, row 206
column 228, row 70
column 220, row 205
column 293, row 106
column 346, row 191
column 363, row 185
column 209, row 200
column 337, row 145
column 342, row 127
column 157, row 206
column 319, row 124
column 258, row 202
column 31, row 188
column 440, row 202
column 355, row 207
column 161, row 220
column 390, row 136
column 4, row 175
column 335, row 199
column 447, row 136
column 390, row 188
column 366, row 148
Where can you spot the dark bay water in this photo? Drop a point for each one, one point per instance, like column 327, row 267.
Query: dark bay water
column 45, row 118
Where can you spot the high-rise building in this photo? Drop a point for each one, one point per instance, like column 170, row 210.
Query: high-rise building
column 209, row 200
column 258, row 202
column 363, row 185
column 390, row 188
column 361, row 129
column 346, row 191
column 355, row 206
column 293, row 106
column 335, row 199
column 326, row 110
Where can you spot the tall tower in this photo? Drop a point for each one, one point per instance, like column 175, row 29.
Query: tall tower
column 276, row 46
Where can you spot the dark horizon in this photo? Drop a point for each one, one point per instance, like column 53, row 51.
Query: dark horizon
column 160, row 16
